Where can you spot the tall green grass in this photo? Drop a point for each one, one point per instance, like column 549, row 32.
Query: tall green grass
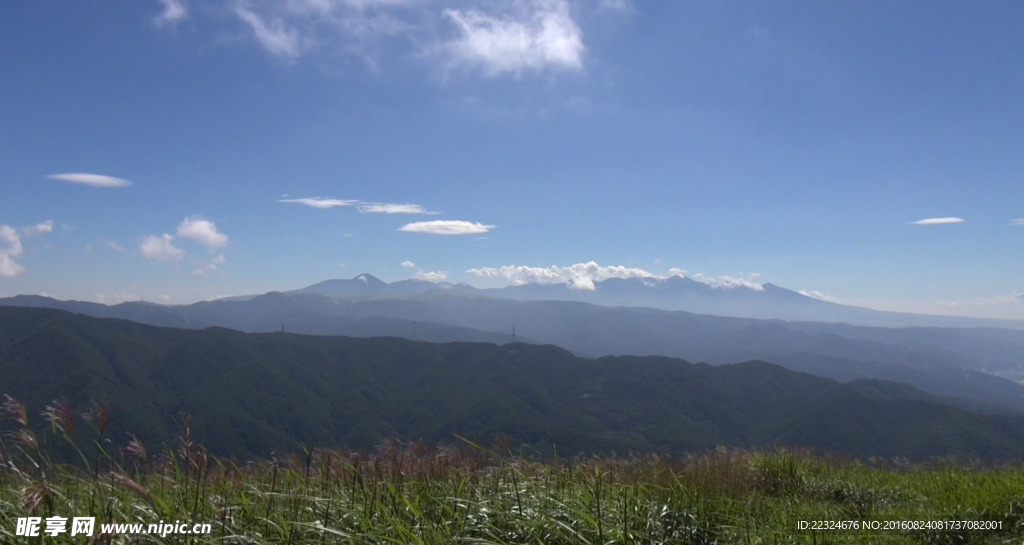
column 465, row 492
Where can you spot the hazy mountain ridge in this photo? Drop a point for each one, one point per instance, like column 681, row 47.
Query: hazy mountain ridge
column 964, row 363
column 251, row 394
column 762, row 301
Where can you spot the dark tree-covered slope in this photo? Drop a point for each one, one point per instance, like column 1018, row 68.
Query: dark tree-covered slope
column 251, row 394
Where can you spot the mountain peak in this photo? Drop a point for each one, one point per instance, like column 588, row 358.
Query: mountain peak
column 369, row 280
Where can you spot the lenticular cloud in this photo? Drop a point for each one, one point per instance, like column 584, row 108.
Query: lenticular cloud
column 938, row 221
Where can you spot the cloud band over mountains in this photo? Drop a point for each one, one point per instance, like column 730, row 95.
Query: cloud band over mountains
column 582, row 276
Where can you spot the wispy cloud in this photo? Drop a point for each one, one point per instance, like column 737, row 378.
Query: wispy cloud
column 362, row 206
column 408, row 265
column 202, row 231
column 533, row 36
column 94, row 180
column 431, row 276
column 478, row 36
column 174, row 12
column 38, row 229
column 815, row 294
column 10, row 249
column 1017, row 222
column 615, row 5
column 938, row 221
column 273, row 34
column 209, row 266
column 393, row 208
column 728, row 282
column 160, row 248
column 317, row 202
column 446, row 227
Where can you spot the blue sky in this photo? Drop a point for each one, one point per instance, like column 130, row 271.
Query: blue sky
column 178, row 150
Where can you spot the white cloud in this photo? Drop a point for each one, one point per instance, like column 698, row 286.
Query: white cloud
column 815, row 294
column 446, row 227
column 11, row 249
column 117, row 247
column 432, row 276
column 507, row 37
column 160, row 248
column 174, row 12
column 94, row 180
column 727, row 282
column 579, row 276
column 408, row 265
column 1017, row 222
column 389, row 208
column 202, row 231
column 540, row 34
column 364, row 207
column 583, row 276
column 938, row 221
column 38, row 229
column 317, row 202
column 274, row 34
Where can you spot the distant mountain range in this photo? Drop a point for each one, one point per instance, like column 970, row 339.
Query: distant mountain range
column 254, row 394
column 764, row 301
column 977, row 368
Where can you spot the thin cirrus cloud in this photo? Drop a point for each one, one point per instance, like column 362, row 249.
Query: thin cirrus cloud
column 204, row 268
column 93, row 180
column 38, row 229
column 493, row 38
column 446, row 227
column 274, row 34
column 614, row 5
column 362, row 206
column 175, row 11
column 1019, row 222
column 539, row 35
column 393, row 208
column 317, row 202
column 938, row 221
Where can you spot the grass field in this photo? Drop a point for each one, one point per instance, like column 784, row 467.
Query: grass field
column 469, row 493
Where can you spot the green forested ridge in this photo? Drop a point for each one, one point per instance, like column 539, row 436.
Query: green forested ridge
column 253, row 394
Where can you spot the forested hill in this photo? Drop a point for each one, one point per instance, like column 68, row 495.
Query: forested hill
column 251, row 394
